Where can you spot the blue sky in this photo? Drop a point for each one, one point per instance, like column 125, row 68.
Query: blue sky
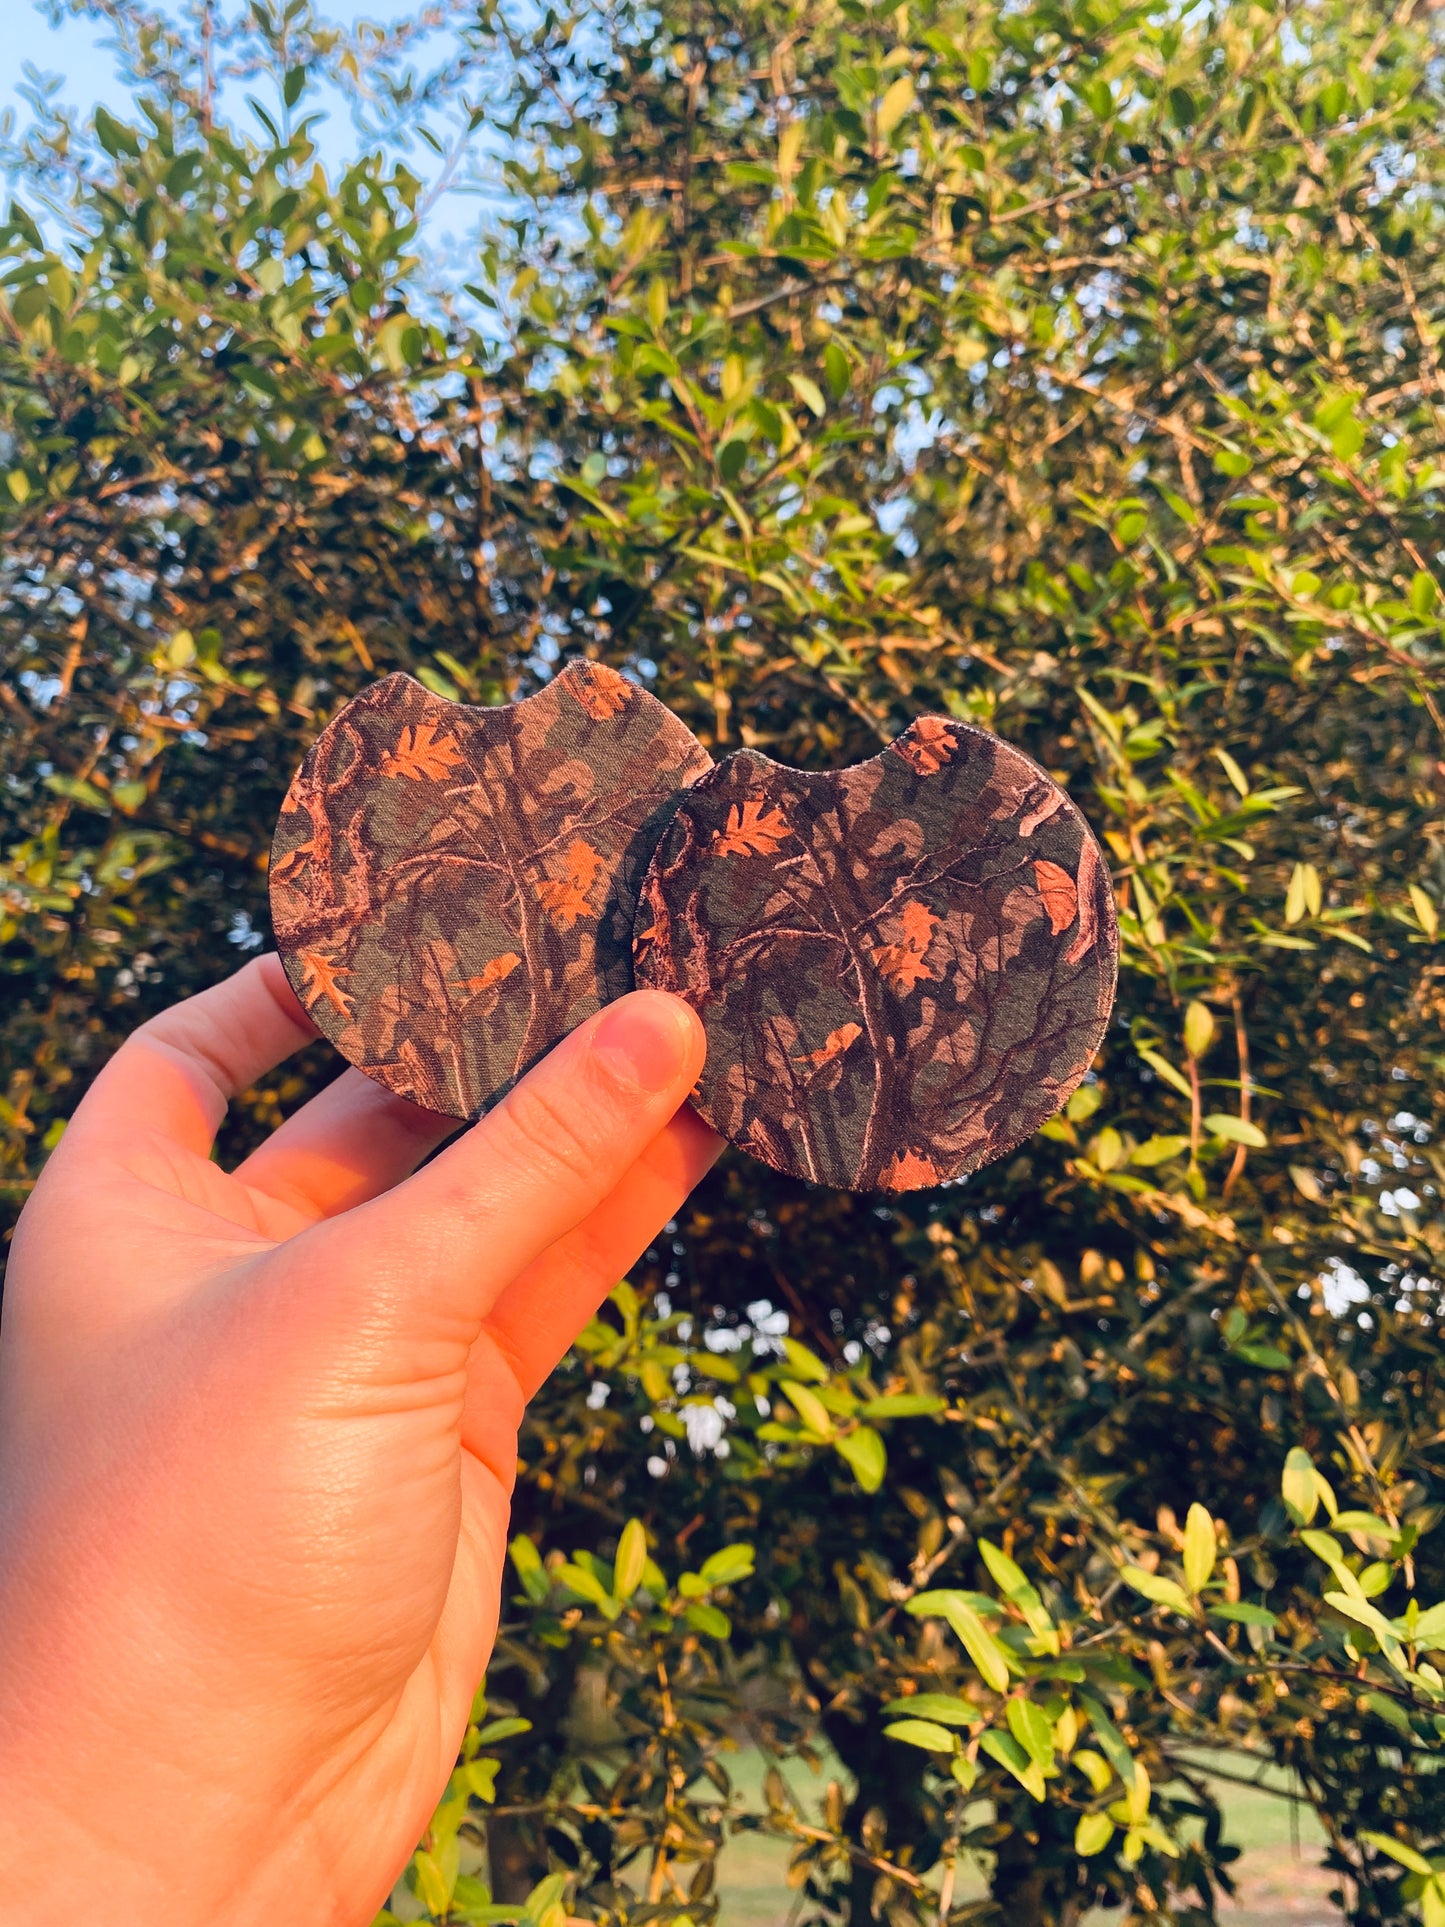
column 73, row 50
column 77, row 52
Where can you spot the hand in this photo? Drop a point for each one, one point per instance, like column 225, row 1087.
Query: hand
column 258, row 1433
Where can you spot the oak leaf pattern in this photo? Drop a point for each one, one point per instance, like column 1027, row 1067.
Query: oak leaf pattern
column 422, row 754
column 834, row 1044
column 926, row 744
column 1061, row 897
column 319, row 974
column 453, row 888
column 914, row 909
column 565, row 898
column 752, row 829
column 902, row 964
column 600, row 690
column 908, row 1171
column 496, row 972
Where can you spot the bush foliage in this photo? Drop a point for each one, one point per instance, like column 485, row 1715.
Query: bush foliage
column 1071, row 367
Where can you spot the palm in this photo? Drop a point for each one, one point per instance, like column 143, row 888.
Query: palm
column 334, row 1370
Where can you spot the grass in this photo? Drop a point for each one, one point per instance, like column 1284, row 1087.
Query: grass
column 1280, row 1881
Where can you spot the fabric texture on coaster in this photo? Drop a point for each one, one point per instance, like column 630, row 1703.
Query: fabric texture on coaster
column 903, row 968
column 453, row 887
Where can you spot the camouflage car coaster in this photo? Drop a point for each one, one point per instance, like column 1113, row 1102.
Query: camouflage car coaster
column 903, row 968
column 453, row 887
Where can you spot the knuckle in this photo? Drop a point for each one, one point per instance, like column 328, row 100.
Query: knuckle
column 548, row 1131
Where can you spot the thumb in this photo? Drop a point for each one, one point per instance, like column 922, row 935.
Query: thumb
column 438, row 1251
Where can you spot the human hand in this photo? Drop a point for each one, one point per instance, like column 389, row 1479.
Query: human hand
column 258, row 1435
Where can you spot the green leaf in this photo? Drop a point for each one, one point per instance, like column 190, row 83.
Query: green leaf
column 1234, row 1130
column 1006, row 1573
column 1163, row 1068
column 1370, row 1522
column 1364, row 1614
column 932, row 1738
column 1092, row 1834
column 1096, row 1771
column 631, row 1559
column 865, row 1451
column 1246, row 1615
column 1200, row 1548
column 1004, row 1748
column 1425, row 912
column 587, row 1586
column 1112, row 1740
column 809, row 1407
column 114, row 136
column 1303, row 898
column 837, row 371
column 1232, row 770
column 1157, row 1150
column 480, row 1778
column 805, row 1364
column 1297, row 1486
column 293, row 86
column 895, row 104
column 1034, row 1731
column 1198, row 1028
column 546, row 1895
column 904, row 1405
column 727, row 1566
column 1156, row 1588
column 432, row 1886
column 1429, row 1627
column 708, row 1619
column 527, row 1562
column 945, row 1708
column 1397, row 1850
column 808, row 392
column 76, row 790
column 1269, row 1358
column 982, row 1648
column 1391, row 1712
column 1083, row 1104
column 505, row 1729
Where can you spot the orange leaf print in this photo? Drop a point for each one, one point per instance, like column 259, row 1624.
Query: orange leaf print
column 902, row 964
column 907, row 1171
column 600, row 690
column 752, row 829
column 927, row 745
column 288, row 865
column 1087, row 883
column 1061, row 899
column 565, row 898
column 834, row 1045
column 321, row 974
column 422, row 753
column 496, row 972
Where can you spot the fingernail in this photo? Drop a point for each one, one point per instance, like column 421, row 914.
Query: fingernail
column 643, row 1041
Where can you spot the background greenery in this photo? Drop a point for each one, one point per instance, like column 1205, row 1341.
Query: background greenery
column 1074, row 368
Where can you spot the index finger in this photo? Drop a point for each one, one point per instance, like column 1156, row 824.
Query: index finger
column 176, row 1075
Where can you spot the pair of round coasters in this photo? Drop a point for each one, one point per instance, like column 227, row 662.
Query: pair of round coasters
column 902, row 968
